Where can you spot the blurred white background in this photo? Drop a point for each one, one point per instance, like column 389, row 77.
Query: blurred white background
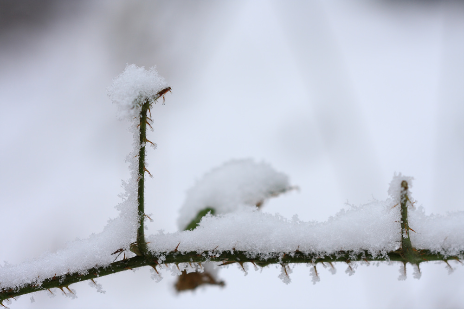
column 337, row 94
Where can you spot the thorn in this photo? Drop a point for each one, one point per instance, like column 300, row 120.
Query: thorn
column 93, row 281
column 148, row 172
column 394, row 206
column 241, row 264
column 175, row 250
column 70, row 291
column 154, row 267
column 148, row 217
column 50, row 291
column 61, row 288
column 149, row 110
column 285, row 269
column 149, row 124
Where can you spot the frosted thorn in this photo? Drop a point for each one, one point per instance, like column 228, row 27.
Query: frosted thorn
column 395, row 205
column 93, row 281
column 149, row 124
column 241, row 264
column 175, row 250
column 154, row 267
column 284, row 268
column 67, row 287
column 149, row 110
column 61, row 288
column 151, row 220
column 50, row 291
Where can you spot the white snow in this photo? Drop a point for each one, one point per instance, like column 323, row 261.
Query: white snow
column 374, row 227
column 235, row 184
column 132, row 85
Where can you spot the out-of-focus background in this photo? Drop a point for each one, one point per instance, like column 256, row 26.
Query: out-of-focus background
column 338, row 94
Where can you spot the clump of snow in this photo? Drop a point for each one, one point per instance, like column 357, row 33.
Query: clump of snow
column 439, row 233
column 373, row 227
column 133, row 85
column 228, row 188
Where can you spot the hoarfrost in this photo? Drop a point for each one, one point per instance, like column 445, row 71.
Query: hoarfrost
column 416, row 272
column 314, row 274
column 97, row 286
column 285, row 272
column 155, row 274
column 403, row 275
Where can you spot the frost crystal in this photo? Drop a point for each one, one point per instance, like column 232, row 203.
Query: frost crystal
column 285, row 272
column 314, row 275
column 96, row 285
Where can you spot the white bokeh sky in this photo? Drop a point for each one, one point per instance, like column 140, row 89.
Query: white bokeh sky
column 339, row 95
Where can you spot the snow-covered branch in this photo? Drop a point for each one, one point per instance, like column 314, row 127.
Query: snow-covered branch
column 221, row 222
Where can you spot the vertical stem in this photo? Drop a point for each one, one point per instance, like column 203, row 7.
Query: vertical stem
column 405, row 240
column 141, row 244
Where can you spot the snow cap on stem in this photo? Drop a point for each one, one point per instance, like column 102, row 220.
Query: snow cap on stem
column 134, row 85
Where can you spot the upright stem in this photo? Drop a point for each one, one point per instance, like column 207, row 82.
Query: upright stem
column 406, row 244
column 141, row 243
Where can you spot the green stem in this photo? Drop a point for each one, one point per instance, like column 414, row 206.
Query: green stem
column 227, row 257
column 406, row 245
column 141, row 243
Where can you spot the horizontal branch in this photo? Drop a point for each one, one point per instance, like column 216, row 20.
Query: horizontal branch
column 226, row 257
